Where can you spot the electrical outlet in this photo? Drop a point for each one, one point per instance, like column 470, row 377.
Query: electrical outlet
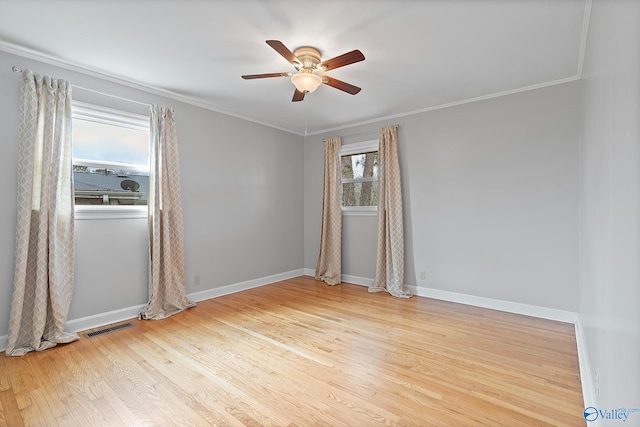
column 196, row 279
column 423, row 276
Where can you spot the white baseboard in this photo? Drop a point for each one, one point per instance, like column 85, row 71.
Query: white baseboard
column 589, row 392
column 495, row 304
column 346, row 278
column 242, row 286
column 94, row 321
column 357, row 280
column 101, row 319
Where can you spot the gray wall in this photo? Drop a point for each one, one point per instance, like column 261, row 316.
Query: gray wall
column 490, row 197
column 242, row 202
column 609, row 292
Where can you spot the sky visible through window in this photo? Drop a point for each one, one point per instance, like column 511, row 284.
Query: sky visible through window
column 109, row 143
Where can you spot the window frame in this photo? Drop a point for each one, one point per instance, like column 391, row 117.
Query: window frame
column 105, row 115
column 348, row 150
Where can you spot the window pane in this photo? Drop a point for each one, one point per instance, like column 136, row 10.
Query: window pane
column 104, row 186
column 360, row 193
column 361, row 173
column 110, row 164
column 109, row 143
column 363, row 165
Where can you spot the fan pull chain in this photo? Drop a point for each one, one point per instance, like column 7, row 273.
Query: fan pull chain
column 306, row 119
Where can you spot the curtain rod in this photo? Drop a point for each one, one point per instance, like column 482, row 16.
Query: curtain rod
column 20, row 70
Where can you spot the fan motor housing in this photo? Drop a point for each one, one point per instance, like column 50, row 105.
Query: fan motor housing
column 308, row 56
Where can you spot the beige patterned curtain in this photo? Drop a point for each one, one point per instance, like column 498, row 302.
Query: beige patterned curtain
column 390, row 251
column 167, row 281
column 43, row 280
column 329, row 265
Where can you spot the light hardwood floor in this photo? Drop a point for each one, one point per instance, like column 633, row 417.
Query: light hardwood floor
column 300, row 353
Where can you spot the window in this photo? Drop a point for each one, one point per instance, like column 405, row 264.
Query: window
column 110, row 159
column 359, row 174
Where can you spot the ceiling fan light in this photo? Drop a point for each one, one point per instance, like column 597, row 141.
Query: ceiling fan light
column 306, row 81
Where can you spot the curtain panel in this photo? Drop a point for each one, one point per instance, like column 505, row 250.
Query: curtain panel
column 44, row 256
column 389, row 275
column 329, row 265
column 167, row 280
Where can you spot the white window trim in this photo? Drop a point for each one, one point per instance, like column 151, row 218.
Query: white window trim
column 109, row 116
column 358, row 148
column 360, row 210
column 83, row 212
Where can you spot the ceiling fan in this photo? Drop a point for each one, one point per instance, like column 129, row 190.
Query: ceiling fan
column 310, row 69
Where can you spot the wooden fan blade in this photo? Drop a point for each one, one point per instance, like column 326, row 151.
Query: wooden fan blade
column 342, row 60
column 297, row 96
column 262, row 76
column 279, row 47
column 338, row 84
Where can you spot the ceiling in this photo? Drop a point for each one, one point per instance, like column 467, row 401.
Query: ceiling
column 420, row 55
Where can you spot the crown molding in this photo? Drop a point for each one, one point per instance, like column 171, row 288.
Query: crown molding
column 586, row 19
column 452, row 104
column 51, row 60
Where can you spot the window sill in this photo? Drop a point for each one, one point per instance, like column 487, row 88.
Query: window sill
column 360, row 211
column 110, row 212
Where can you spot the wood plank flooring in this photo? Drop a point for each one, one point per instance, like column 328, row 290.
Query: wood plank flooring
column 301, row 353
